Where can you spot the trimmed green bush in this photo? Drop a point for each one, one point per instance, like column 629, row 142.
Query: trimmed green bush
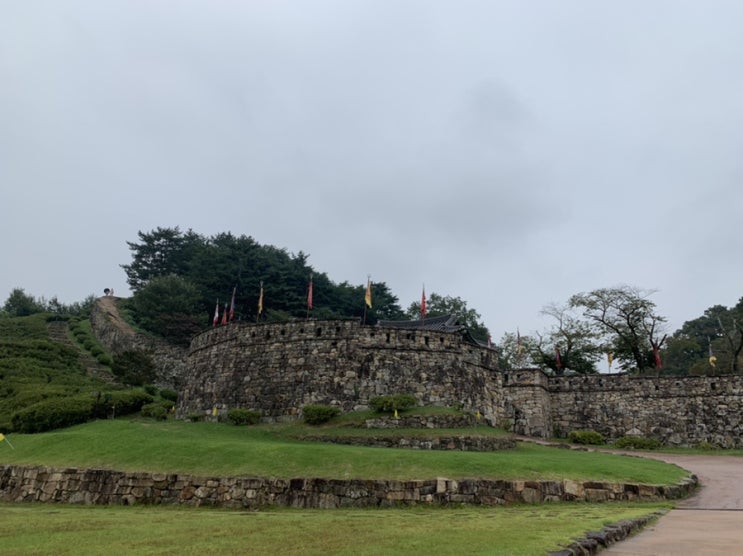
column 195, row 417
column 637, row 443
column 52, row 414
column 243, row 416
column 319, row 414
column 155, row 411
column 167, row 394
column 126, row 402
column 105, row 359
column 151, row 389
column 388, row 404
column 167, row 404
column 586, row 437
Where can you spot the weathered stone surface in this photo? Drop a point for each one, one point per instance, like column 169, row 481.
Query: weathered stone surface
column 41, row 484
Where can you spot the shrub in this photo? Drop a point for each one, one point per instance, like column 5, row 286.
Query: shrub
column 151, row 389
column 388, row 404
column 167, row 394
column 53, row 414
column 104, row 359
column 707, row 446
column 319, row 414
column 126, row 402
column 155, row 411
column 167, row 404
column 637, row 443
column 134, row 367
column 244, row 416
column 195, row 417
column 586, row 437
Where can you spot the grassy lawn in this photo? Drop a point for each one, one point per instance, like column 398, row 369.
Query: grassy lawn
column 27, row 529
column 273, row 451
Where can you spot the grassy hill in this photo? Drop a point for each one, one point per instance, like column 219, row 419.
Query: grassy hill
column 35, row 367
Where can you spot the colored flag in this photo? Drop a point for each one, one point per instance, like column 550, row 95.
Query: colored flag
column 232, row 304
column 309, row 295
column 367, row 295
column 609, row 358
column 214, row 411
column 712, row 358
column 519, row 345
column 260, row 301
column 490, row 341
column 557, row 358
column 224, row 314
column 216, row 315
column 423, row 303
column 656, row 355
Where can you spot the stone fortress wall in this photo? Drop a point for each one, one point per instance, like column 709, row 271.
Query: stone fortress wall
column 279, row 368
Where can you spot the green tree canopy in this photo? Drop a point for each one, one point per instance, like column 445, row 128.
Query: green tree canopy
column 575, row 340
column 219, row 264
column 627, row 320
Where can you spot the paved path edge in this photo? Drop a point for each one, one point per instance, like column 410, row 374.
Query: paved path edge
column 596, row 541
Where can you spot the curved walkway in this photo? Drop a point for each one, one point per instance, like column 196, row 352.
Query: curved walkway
column 708, row 523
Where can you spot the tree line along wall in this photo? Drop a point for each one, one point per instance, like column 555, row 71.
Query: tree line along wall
column 279, row 368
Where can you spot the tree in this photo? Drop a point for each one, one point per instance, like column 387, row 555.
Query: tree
column 437, row 305
column 575, row 340
column 21, row 304
column 628, row 322
column 161, row 252
column 168, row 306
column 515, row 351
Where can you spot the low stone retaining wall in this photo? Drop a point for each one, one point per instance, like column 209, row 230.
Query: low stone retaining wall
column 460, row 442
column 422, row 422
column 105, row 487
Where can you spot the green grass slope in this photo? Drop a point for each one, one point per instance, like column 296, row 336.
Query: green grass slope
column 217, row 449
column 34, row 368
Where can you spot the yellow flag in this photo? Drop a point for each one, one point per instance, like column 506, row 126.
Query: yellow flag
column 610, row 359
column 478, row 416
column 260, row 301
column 367, row 296
column 214, row 411
column 395, row 414
column 2, row 437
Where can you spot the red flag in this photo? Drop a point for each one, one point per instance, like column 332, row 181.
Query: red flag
column 232, row 304
column 656, row 354
column 309, row 295
column 423, row 303
column 224, row 315
column 557, row 358
column 216, row 315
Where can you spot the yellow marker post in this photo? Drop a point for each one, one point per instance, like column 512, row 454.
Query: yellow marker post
column 2, row 437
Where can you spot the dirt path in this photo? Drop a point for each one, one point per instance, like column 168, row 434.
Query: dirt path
column 709, row 523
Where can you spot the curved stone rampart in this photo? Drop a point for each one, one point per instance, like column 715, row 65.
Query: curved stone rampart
column 279, row 368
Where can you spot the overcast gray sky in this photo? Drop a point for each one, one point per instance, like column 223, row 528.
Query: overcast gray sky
column 510, row 153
